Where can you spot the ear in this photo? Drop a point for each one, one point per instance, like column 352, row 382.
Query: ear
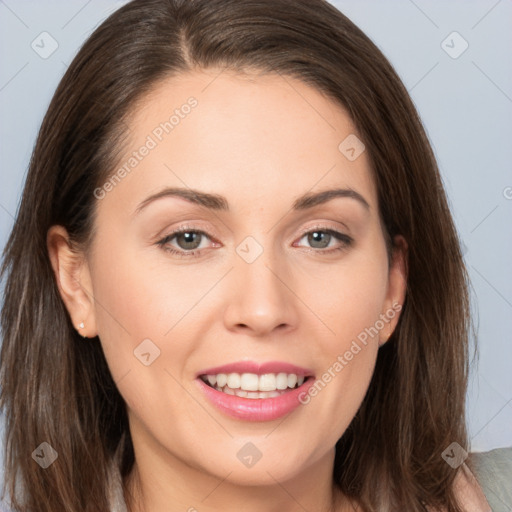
column 397, row 286
column 73, row 280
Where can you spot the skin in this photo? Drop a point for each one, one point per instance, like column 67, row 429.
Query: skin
column 261, row 141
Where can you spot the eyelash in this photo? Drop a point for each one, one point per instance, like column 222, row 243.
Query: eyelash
column 345, row 239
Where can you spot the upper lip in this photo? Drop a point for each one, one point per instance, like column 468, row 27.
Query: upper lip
column 257, row 368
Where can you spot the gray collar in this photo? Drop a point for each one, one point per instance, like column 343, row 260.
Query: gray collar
column 115, row 484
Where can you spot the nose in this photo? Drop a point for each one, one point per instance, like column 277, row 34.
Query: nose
column 262, row 299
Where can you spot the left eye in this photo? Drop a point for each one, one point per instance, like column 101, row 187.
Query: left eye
column 320, row 238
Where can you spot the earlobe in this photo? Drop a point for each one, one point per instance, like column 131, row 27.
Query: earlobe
column 397, row 286
column 73, row 280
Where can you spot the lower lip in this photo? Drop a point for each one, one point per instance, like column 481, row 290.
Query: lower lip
column 256, row 409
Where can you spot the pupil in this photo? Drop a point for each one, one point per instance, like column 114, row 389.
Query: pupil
column 189, row 239
column 316, row 236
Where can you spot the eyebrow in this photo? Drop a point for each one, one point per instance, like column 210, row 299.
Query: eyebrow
column 220, row 203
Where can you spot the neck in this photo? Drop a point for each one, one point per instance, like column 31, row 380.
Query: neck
column 193, row 491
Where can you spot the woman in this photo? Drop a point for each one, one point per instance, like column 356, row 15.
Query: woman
column 234, row 282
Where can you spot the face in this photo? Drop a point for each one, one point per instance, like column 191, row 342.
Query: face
column 262, row 286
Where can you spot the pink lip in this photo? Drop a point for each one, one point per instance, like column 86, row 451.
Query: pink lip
column 257, row 368
column 255, row 409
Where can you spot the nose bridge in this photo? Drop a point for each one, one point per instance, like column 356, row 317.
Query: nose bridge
column 261, row 300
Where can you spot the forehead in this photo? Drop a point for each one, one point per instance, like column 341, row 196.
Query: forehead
column 246, row 136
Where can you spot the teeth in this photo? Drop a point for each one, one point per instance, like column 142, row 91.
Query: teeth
column 249, row 394
column 292, row 380
column 267, row 382
column 251, row 385
column 282, row 381
column 233, row 380
column 222, row 380
column 249, row 382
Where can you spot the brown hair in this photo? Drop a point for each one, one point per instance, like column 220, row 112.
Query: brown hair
column 58, row 389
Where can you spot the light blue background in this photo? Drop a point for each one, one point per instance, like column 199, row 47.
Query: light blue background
column 465, row 104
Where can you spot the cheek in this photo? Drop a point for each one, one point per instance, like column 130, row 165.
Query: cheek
column 349, row 300
column 128, row 309
column 141, row 312
column 135, row 298
column 350, row 305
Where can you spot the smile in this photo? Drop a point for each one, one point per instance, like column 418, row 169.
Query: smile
column 255, row 392
column 251, row 385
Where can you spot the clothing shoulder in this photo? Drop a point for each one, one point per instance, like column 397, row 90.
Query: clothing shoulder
column 493, row 470
column 115, row 483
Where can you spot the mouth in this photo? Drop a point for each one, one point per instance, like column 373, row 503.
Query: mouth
column 254, row 386
column 257, row 392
